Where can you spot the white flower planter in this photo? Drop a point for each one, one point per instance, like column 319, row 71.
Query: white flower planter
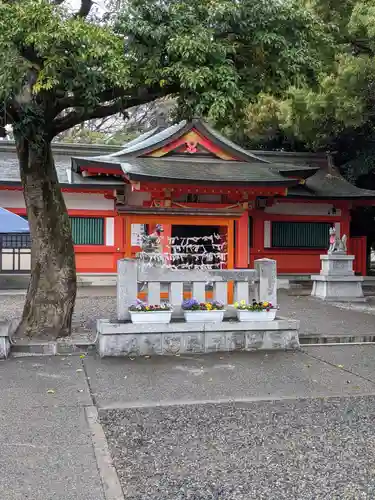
column 204, row 316
column 150, row 317
column 243, row 315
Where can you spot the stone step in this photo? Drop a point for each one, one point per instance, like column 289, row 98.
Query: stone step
column 335, row 339
column 23, row 348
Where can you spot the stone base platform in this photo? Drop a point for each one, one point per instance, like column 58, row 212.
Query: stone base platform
column 126, row 339
column 338, row 288
column 6, row 329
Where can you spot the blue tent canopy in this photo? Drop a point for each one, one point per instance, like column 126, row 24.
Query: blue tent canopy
column 12, row 223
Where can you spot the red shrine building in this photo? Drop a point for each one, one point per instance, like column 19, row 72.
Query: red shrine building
column 197, row 184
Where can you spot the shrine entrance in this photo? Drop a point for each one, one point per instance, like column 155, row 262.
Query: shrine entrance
column 198, row 247
column 202, row 242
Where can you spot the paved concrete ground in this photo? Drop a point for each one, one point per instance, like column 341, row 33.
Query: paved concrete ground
column 46, row 447
column 163, row 380
column 321, row 318
column 226, row 427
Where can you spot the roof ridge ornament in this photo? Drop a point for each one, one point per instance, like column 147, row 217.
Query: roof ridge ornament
column 191, row 147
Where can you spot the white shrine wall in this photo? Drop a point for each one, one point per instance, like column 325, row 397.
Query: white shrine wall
column 74, row 201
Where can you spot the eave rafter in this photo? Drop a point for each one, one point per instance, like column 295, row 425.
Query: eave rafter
column 178, row 189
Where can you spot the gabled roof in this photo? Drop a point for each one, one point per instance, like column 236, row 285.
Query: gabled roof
column 146, row 159
column 321, row 181
column 147, row 143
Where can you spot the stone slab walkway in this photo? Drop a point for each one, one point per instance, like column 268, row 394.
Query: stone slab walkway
column 46, row 447
column 117, row 382
column 319, row 318
column 233, row 427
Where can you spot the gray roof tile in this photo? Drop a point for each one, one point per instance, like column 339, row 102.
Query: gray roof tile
column 333, row 185
column 202, row 171
column 9, row 169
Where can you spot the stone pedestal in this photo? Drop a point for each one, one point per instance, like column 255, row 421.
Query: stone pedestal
column 5, row 327
column 337, row 281
column 267, row 273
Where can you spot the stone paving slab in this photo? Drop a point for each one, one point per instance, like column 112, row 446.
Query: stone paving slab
column 319, row 318
column 367, row 308
column 45, row 443
column 47, row 454
column 25, row 382
column 358, row 359
column 295, row 450
column 117, row 382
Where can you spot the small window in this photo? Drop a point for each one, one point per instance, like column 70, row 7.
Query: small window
column 300, row 235
column 15, row 240
column 87, row 230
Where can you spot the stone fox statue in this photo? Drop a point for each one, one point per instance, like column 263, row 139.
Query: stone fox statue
column 152, row 242
column 336, row 245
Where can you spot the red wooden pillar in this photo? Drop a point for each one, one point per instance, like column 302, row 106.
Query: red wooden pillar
column 241, row 244
column 257, row 249
column 127, row 236
column 119, row 242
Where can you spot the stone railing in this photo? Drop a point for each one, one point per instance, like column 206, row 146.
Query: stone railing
column 259, row 283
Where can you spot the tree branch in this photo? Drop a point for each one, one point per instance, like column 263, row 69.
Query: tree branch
column 143, row 95
column 85, row 8
column 81, row 114
column 76, row 100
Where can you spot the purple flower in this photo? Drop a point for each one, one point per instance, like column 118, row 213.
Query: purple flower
column 190, row 305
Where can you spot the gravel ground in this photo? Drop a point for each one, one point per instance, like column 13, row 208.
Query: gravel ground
column 303, row 450
column 87, row 310
column 316, row 317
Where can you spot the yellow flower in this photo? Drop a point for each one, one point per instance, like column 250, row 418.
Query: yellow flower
column 236, row 305
column 147, row 308
column 243, row 302
column 266, row 304
column 208, row 306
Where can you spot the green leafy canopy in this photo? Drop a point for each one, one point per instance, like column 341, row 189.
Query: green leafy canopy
column 343, row 98
column 214, row 55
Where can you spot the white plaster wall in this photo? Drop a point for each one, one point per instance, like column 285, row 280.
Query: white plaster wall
column 88, row 201
column 78, row 201
column 109, row 231
column 136, row 198
column 302, row 209
column 11, row 199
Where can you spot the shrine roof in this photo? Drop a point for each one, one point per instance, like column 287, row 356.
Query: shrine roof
column 165, row 154
column 10, row 175
column 153, row 141
column 203, row 171
column 321, row 182
column 329, row 184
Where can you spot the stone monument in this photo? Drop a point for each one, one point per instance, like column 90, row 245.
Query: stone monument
column 152, row 249
column 337, row 281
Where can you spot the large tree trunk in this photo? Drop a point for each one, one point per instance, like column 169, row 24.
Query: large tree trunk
column 52, row 290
